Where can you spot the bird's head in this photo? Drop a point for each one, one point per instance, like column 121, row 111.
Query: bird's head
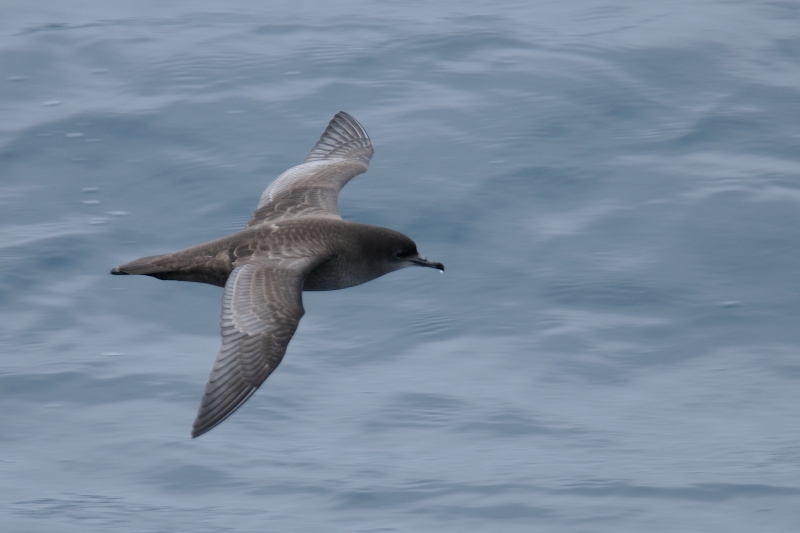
column 398, row 251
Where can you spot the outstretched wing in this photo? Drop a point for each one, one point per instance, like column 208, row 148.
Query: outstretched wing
column 261, row 307
column 342, row 153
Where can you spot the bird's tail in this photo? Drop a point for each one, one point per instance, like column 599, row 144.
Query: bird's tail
column 145, row 265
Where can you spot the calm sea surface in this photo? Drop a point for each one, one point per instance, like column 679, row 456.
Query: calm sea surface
column 614, row 188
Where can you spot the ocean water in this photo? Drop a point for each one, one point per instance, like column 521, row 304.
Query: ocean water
column 614, row 188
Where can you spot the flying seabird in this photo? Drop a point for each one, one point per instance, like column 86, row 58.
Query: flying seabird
column 295, row 241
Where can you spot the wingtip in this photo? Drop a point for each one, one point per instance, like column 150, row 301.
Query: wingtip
column 200, row 429
column 344, row 137
column 350, row 120
column 346, row 115
column 196, row 432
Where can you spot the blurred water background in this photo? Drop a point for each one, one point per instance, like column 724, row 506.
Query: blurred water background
column 613, row 187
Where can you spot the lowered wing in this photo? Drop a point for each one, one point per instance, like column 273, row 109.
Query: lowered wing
column 261, row 307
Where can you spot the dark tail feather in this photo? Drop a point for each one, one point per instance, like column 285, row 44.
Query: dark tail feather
column 143, row 265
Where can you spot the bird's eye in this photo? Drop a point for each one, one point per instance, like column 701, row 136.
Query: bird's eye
column 400, row 254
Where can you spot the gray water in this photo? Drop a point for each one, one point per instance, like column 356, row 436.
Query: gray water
column 613, row 187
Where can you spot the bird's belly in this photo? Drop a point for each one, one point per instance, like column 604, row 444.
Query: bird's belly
column 334, row 274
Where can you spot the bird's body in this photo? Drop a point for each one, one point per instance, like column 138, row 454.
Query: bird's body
column 337, row 252
column 296, row 241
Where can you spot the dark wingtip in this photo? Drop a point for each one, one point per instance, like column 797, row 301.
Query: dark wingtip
column 117, row 272
column 197, row 431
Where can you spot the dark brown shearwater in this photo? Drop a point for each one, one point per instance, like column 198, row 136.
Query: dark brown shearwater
column 296, row 241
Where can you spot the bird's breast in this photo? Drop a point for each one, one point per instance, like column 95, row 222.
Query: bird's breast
column 330, row 275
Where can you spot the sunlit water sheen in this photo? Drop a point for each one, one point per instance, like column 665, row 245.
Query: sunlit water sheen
column 613, row 188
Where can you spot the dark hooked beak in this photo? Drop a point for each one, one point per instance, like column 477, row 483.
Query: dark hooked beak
column 423, row 262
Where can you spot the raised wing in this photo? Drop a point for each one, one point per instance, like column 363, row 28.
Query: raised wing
column 342, row 153
column 261, row 307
